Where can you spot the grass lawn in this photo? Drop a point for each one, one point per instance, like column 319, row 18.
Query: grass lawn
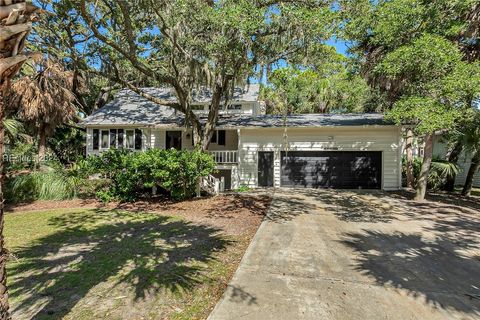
column 118, row 264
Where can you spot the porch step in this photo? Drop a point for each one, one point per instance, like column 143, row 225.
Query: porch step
column 212, row 185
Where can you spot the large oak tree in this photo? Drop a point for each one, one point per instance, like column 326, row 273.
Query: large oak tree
column 192, row 44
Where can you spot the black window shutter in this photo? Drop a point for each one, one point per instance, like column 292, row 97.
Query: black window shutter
column 96, row 139
column 113, row 138
column 138, row 139
column 221, row 137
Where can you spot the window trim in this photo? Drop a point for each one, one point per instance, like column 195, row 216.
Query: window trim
column 123, row 145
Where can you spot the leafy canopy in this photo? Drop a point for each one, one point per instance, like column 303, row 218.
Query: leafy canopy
column 425, row 69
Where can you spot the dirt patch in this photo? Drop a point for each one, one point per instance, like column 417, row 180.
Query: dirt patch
column 235, row 214
column 50, row 204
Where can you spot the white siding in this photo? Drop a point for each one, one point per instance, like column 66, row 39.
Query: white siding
column 440, row 149
column 158, row 139
column 385, row 139
column 464, row 165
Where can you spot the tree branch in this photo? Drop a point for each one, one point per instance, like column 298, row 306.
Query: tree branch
column 130, row 57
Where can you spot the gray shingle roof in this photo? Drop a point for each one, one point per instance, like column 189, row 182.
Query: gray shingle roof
column 130, row 108
column 303, row 120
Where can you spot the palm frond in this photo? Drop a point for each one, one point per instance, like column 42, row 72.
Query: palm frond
column 45, row 99
column 445, row 168
column 15, row 130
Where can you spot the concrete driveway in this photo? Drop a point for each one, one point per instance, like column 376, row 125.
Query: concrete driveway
column 323, row 254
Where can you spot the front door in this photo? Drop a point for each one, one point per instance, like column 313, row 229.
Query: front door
column 265, row 169
column 173, row 140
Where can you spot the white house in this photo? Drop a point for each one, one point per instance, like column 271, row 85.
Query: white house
column 349, row 151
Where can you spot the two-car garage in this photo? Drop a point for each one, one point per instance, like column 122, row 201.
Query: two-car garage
column 331, row 169
column 337, row 157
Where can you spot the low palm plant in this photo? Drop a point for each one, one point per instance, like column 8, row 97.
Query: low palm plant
column 42, row 185
column 440, row 171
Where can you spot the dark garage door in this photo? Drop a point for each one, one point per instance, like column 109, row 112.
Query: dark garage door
column 332, row 169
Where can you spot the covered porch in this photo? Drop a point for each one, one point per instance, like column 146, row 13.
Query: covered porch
column 223, row 146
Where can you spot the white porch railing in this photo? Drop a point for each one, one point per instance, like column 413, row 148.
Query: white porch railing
column 225, row 157
column 212, row 185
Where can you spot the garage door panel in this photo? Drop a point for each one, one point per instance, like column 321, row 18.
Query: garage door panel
column 331, row 169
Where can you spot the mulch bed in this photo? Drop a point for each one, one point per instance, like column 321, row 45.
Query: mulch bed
column 235, row 214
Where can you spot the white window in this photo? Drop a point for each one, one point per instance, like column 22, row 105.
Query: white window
column 117, row 139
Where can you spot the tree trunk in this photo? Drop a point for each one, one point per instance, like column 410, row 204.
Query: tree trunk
column 427, row 162
column 408, row 149
column 474, row 167
column 4, row 306
column 15, row 24
column 41, row 144
column 453, row 158
column 213, row 114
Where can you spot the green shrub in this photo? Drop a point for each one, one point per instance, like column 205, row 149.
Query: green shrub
column 133, row 173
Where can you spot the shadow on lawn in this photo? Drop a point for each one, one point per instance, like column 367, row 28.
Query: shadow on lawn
column 148, row 252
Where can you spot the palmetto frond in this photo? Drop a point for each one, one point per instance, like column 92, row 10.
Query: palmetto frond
column 15, row 130
column 445, row 168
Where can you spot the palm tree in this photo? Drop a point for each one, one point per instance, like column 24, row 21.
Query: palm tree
column 45, row 100
column 16, row 17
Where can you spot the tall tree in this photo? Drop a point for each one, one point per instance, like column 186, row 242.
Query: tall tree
column 464, row 86
column 377, row 28
column 424, row 68
column 328, row 85
column 16, row 19
column 188, row 44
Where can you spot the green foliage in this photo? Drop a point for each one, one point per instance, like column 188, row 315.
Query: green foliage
column 67, row 143
column 40, row 185
column 307, row 90
column 423, row 67
column 243, row 188
column 133, row 173
column 439, row 172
